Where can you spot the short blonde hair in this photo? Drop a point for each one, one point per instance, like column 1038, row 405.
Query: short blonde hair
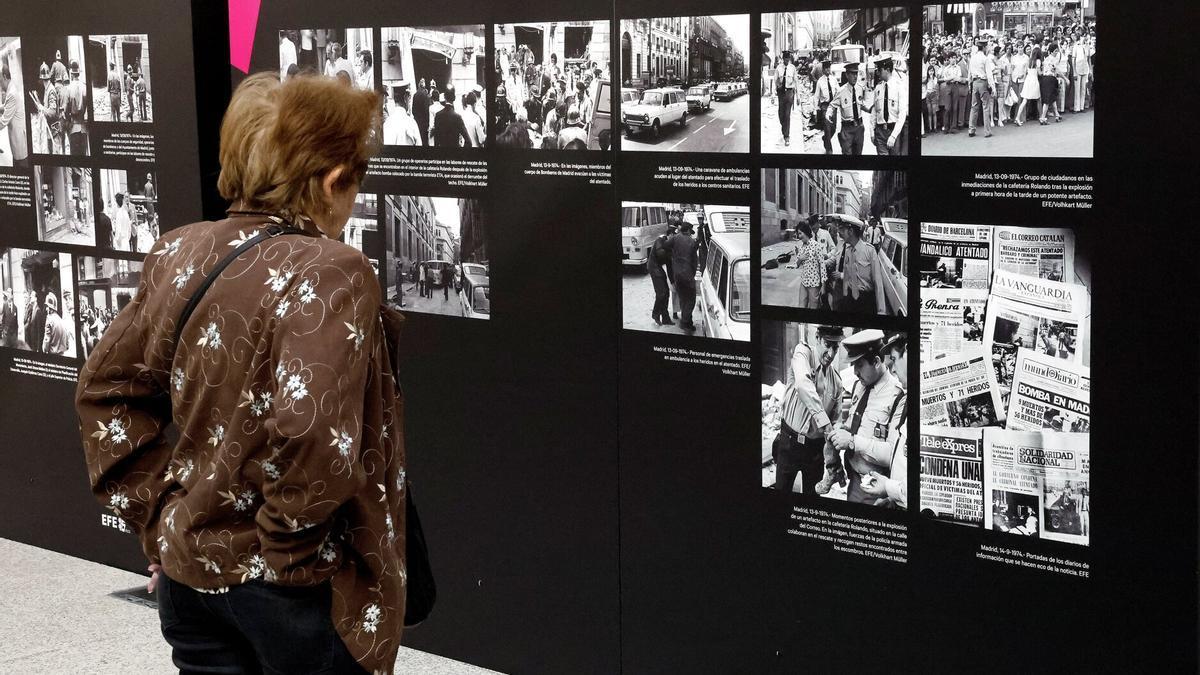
column 279, row 140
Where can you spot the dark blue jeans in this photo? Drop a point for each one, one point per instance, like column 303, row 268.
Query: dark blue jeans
column 251, row 629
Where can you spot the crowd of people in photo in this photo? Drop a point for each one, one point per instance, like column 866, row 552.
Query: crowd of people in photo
column 44, row 328
column 93, row 321
column 546, row 105
column 60, row 120
column 992, row 80
column 838, row 262
column 124, row 225
column 433, row 116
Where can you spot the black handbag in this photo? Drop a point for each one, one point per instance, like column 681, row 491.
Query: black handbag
column 421, row 587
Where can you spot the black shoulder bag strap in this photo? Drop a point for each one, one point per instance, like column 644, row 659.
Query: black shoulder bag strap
column 272, row 231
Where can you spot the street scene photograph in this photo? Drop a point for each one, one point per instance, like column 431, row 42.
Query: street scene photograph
column 14, row 134
column 437, row 256
column 120, row 81
column 362, row 219
column 685, row 84
column 835, row 240
column 435, row 80
column 833, row 412
column 128, row 219
column 686, row 269
column 60, row 110
column 106, row 285
column 346, row 54
column 553, row 88
column 64, row 205
column 835, row 82
column 990, row 69
column 37, row 312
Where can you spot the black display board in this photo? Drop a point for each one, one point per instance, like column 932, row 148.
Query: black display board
column 585, row 474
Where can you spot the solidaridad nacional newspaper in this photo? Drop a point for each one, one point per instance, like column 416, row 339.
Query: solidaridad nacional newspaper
column 1036, row 484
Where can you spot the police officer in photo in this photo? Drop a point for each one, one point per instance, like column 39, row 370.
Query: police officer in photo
column 114, row 93
column 826, row 91
column 658, row 264
column 804, row 414
column 892, row 489
column 851, row 106
column 890, row 108
column 866, row 436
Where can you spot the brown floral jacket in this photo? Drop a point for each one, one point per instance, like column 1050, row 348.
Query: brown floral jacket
column 289, row 465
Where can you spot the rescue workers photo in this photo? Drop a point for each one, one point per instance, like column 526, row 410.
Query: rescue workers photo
column 835, row 240
column 59, row 106
column 686, row 269
column 834, row 412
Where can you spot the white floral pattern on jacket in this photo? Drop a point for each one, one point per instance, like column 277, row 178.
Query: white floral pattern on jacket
column 283, row 391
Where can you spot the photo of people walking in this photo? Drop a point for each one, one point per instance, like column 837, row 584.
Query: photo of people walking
column 835, row 240
column 686, row 269
column 435, row 84
column 1009, row 79
column 437, row 256
column 553, row 86
column 835, row 82
column 14, row 132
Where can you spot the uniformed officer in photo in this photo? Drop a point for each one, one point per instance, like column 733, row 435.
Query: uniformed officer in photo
column 809, row 404
column 890, row 107
column 892, row 489
column 826, row 91
column 865, row 437
column 851, row 107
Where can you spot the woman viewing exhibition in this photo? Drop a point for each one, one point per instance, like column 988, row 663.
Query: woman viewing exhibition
column 274, row 525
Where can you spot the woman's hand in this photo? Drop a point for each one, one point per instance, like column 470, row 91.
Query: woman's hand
column 154, row 569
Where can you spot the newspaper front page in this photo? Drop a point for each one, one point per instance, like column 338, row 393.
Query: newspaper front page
column 1036, row 484
column 960, row 391
column 951, row 321
column 952, row 474
column 1049, row 393
column 956, row 256
column 1043, row 252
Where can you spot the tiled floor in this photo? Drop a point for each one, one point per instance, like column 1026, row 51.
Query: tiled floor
column 57, row 616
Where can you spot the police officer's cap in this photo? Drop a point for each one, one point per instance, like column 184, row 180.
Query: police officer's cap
column 829, row 332
column 826, row 63
column 892, row 342
column 851, row 67
column 866, row 343
column 884, row 62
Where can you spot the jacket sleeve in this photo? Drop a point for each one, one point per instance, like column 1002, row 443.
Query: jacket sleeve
column 123, row 410
column 806, row 388
column 322, row 361
column 879, row 451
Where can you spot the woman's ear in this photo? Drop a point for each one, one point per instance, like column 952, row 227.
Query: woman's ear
column 331, row 179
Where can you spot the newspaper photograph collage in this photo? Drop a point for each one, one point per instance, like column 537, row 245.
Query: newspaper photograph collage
column 1005, row 379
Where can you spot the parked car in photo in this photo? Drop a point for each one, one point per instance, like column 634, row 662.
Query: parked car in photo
column 700, row 97
column 724, row 287
column 840, row 55
column 724, row 92
column 893, row 259
column 474, row 295
column 656, row 109
column 629, row 95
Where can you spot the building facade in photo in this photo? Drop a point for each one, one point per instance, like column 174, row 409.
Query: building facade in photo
column 788, row 32
column 409, row 230
column 848, row 194
column 793, row 195
column 441, row 54
column 881, row 28
column 578, row 43
column 1014, row 17
column 654, row 50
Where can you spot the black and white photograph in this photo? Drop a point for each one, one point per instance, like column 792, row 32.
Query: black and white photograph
column 990, row 69
column 1015, row 513
column 685, row 83
column 14, row 132
column 120, row 81
column 345, row 53
column 1065, row 507
column 128, row 218
column 63, row 197
column 553, row 88
column 437, row 255
column 362, row 219
column 436, row 82
column 106, row 285
column 835, row 81
column 833, row 402
column 835, row 240
column 59, row 109
column 38, row 310
column 686, row 269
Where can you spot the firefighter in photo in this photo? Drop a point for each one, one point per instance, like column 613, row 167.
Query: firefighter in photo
column 866, row 435
column 851, row 105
